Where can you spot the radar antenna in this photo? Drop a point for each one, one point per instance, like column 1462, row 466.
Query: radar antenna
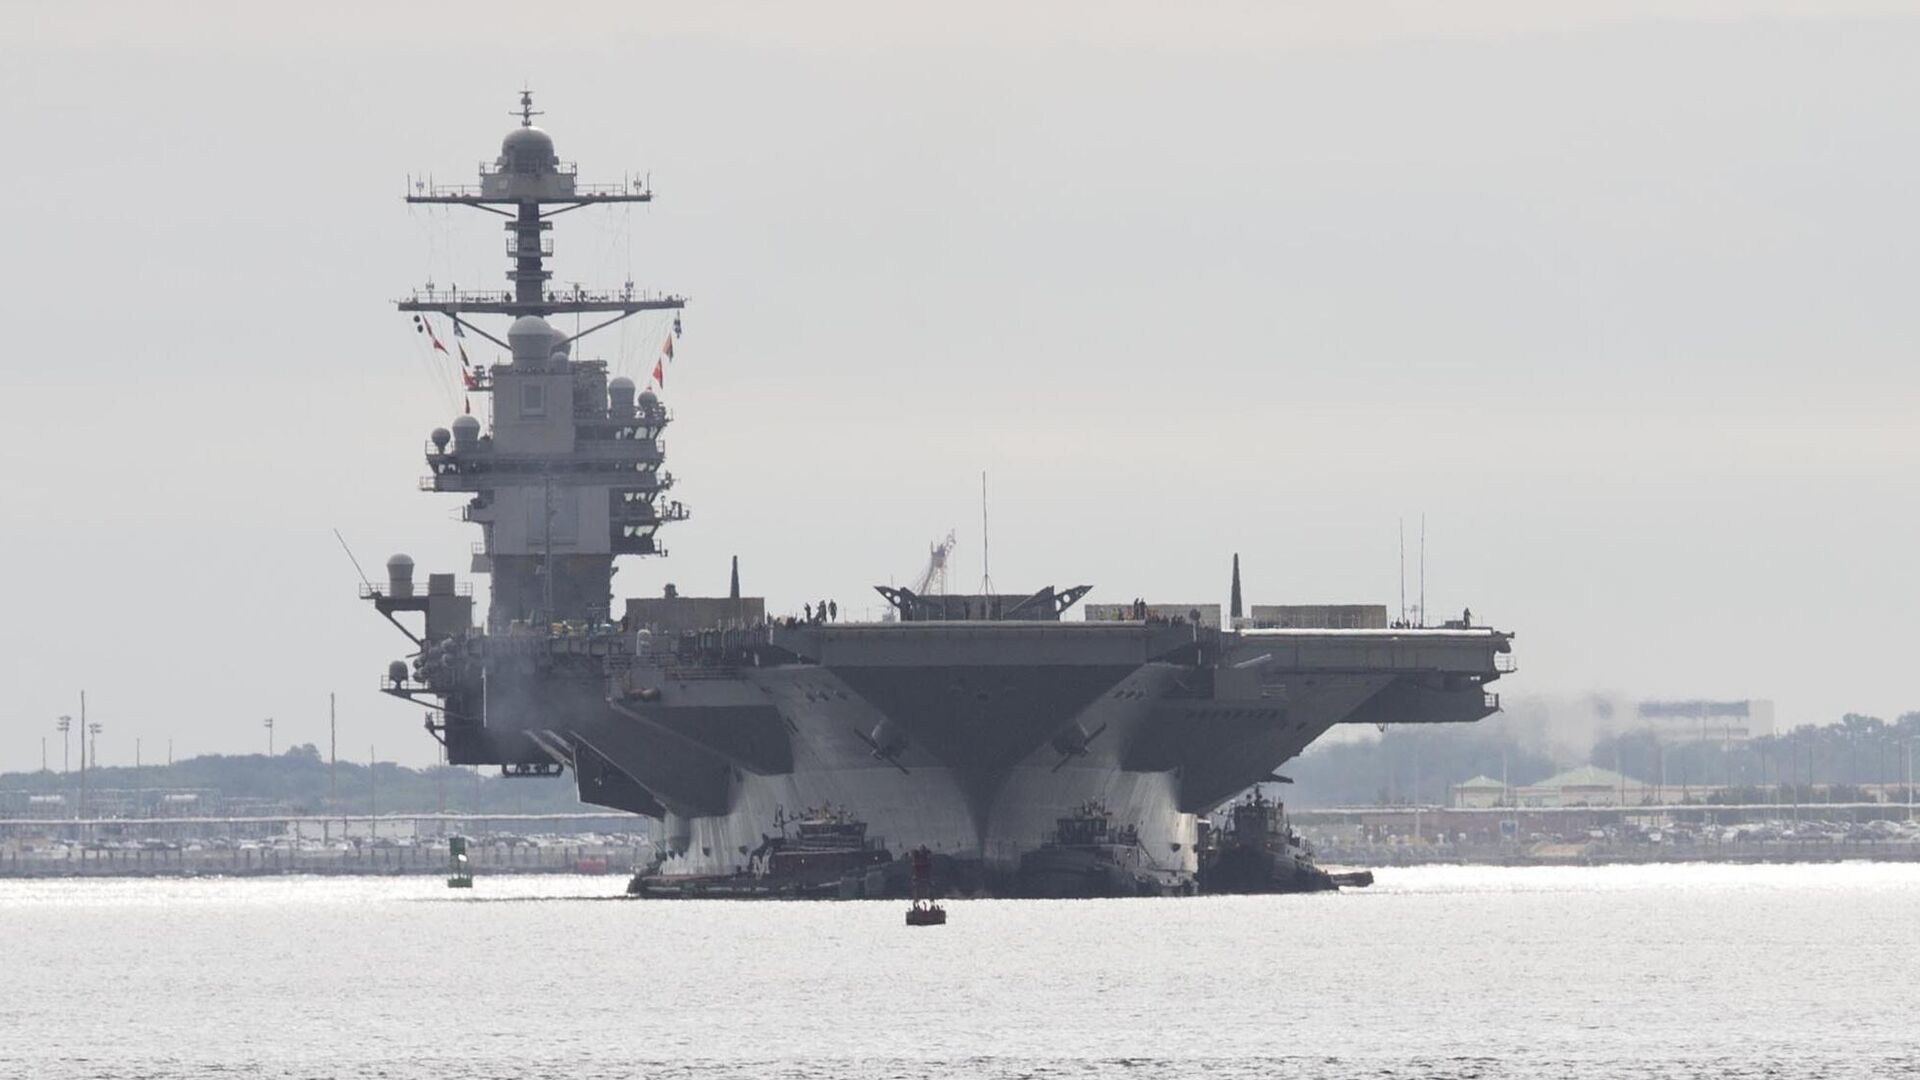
column 527, row 111
column 528, row 185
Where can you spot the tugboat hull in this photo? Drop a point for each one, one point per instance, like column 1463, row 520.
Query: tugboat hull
column 1078, row 875
column 1259, row 852
column 1251, row 871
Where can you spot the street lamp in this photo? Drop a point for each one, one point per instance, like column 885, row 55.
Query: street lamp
column 269, row 725
column 1661, row 749
column 64, row 725
column 1909, row 779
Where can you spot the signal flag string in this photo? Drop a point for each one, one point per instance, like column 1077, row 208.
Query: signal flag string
column 421, row 324
column 666, row 354
column 468, row 379
column 434, row 370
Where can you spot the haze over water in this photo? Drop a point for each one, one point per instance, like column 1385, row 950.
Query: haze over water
column 1772, row 971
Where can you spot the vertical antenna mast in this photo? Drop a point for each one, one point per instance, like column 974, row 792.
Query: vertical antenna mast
column 333, row 756
column 83, row 759
column 1403, row 571
column 1423, row 568
column 986, row 576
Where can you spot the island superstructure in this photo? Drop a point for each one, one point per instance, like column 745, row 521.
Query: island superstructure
column 970, row 725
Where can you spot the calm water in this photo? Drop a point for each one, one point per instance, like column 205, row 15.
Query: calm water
column 1469, row 972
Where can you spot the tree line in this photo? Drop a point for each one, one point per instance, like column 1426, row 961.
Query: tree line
column 1416, row 763
column 299, row 779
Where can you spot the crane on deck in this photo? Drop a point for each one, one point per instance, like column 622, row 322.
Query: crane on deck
column 933, row 580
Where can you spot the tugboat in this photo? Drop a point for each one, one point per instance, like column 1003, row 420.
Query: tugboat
column 1088, row 856
column 1259, row 852
column 822, row 854
column 826, row 847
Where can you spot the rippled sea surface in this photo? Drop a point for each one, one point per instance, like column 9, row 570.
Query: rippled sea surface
column 1775, row 971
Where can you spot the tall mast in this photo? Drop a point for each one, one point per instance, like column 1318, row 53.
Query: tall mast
column 569, row 475
column 520, row 186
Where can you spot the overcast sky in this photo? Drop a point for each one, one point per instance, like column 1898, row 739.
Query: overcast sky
column 1620, row 295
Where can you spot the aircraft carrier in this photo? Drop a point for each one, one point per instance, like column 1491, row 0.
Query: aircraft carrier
column 982, row 727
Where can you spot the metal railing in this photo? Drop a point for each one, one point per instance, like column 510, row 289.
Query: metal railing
column 546, row 245
column 279, row 855
column 588, row 296
column 368, row 590
column 632, row 185
column 431, row 295
column 564, row 168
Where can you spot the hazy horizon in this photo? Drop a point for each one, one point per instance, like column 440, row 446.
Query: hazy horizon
column 1616, row 295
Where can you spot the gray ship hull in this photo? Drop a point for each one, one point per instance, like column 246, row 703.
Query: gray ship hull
column 970, row 739
column 970, row 727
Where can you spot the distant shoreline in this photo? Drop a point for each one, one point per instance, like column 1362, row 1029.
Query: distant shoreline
column 422, row 860
column 1620, row 855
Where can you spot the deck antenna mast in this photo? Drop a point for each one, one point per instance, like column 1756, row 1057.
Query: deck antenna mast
column 526, row 112
column 1403, row 570
column 986, row 577
column 1423, row 568
column 351, row 559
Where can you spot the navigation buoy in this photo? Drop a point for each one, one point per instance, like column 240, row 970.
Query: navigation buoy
column 462, row 875
column 924, row 910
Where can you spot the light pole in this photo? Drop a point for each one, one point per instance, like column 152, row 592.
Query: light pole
column 268, row 722
column 333, row 765
column 89, row 747
column 83, row 760
column 1661, row 749
column 64, row 725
